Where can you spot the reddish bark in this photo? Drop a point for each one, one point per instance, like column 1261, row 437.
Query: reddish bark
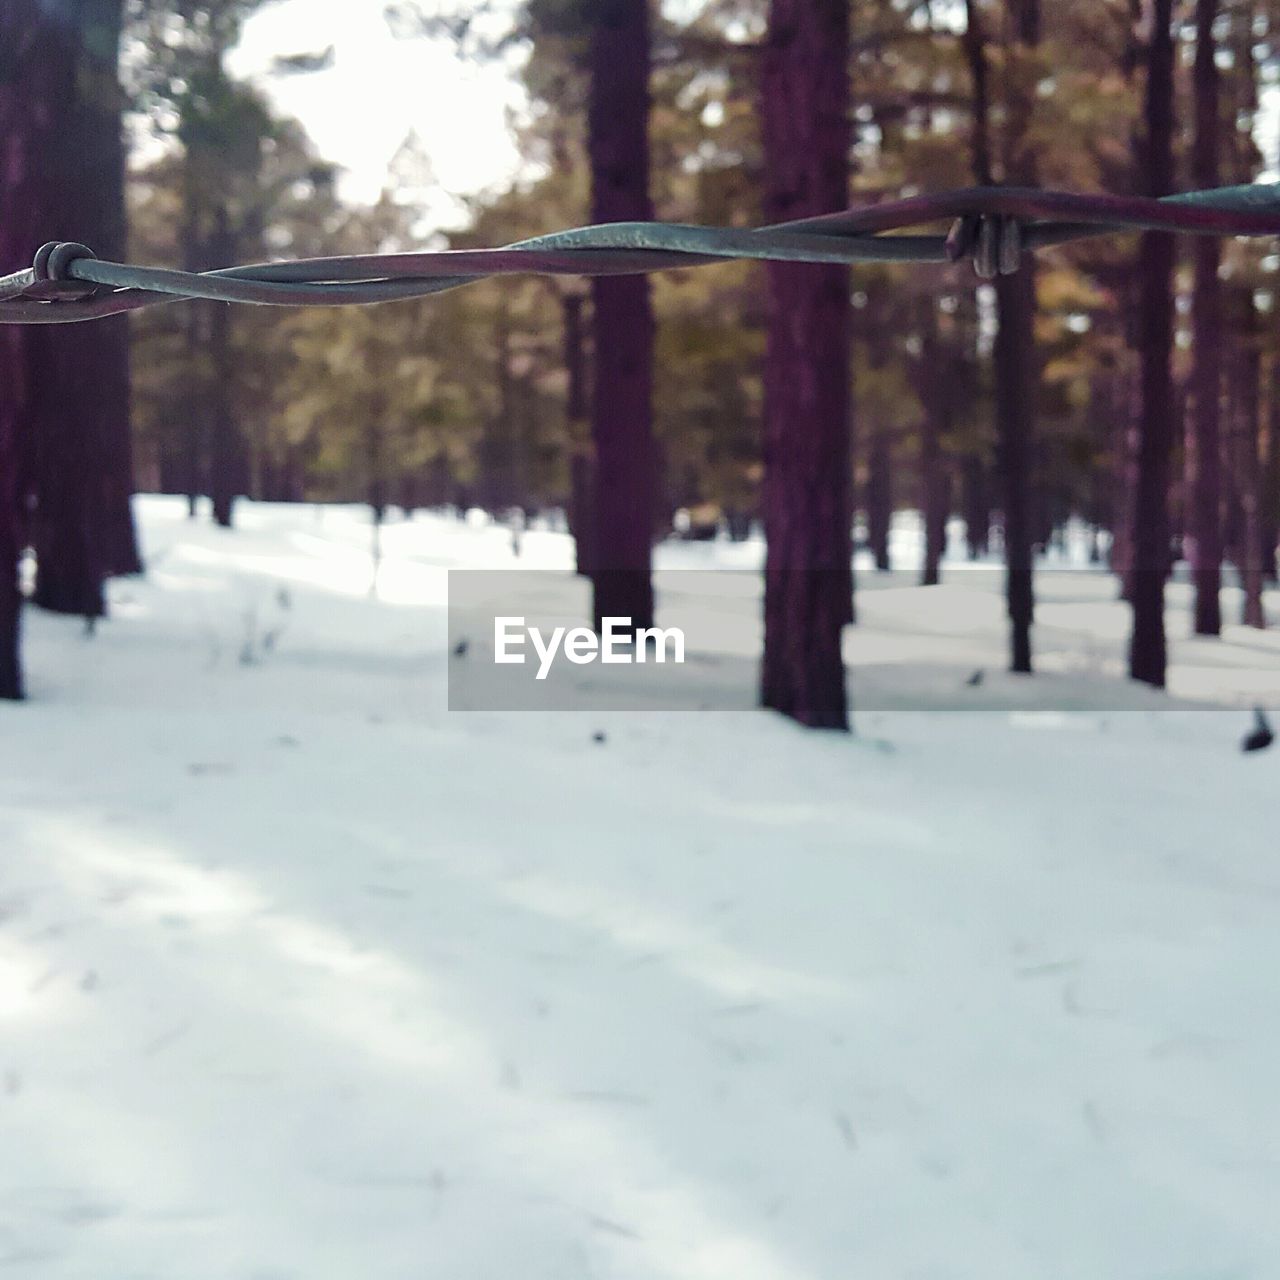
column 879, row 486
column 19, row 147
column 577, row 411
column 622, row 317
column 880, row 497
column 1248, row 467
column 11, row 367
column 1151, row 527
column 225, row 445
column 1014, row 354
column 937, row 377
column 807, row 435
column 977, row 508
column 1203, row 446
column 1015, row 398
column 1269, row 516
column 79, row 382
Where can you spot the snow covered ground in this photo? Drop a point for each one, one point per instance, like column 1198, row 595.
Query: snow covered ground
column 303, row 977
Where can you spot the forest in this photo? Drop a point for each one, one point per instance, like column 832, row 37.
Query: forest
column 1131, row 382
column 918, row 919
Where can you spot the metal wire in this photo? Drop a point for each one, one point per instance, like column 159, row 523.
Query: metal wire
column 992, row 226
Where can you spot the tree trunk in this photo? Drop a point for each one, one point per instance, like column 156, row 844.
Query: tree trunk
column 224, row 437
column 194, row 321
column 1015, row 391
column 937, row 503
column 622, row 317
column 937, row 392
column 1269, row 517
column 1203, row 445
column 1125, row 451
column 375, row 490
column 25, row 80
column 577, row 412
column 1250, row 375
column 1151, row 528
column 977, row 508
column 879, row 490
column 86, row 147
column 79, row 375
column 119, row 537
column 11, row 363
column 807, row 449
column 1014, row 354
column 880, row 496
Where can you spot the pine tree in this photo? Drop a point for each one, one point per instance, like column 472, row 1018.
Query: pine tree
column 808, row 468
column 622, row 317
column 1151, row 528
column 78, row 376
column 1203, row 445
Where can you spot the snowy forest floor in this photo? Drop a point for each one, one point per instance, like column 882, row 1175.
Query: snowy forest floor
column 303, row 977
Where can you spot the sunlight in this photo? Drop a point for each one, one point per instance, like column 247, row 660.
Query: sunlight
column 717, row 966
column 22, row 970
column 554, row 1143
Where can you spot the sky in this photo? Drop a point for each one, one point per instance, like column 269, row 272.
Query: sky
column 378, row 89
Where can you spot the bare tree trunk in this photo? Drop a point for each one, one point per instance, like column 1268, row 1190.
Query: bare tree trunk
column 1014, row 361
column 1203, row 445
column 119, row 537
column 937, row 391
column 375, row 490
column 1147, row 647
column 225, row 445
column 195, row 333
column 977, row 508
column 1269, row 517
column 11, row 381
column 1125, row 451
column 880, row 496
column 1250, row 365
column 577, row 411
column 879, row 488
column 807, row 449
column 79, row 376
column 82, row 165
column 878, row 484
column 1014, row 355
column 25, row 80
column 622, row 317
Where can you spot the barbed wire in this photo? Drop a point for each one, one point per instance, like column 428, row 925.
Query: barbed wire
column 991, row 226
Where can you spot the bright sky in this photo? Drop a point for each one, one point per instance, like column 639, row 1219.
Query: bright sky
column 360, row 110
column 379, row 88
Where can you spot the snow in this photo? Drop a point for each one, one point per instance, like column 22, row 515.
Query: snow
column 304, row 977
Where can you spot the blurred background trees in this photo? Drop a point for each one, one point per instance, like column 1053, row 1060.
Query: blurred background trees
column 1131, row 384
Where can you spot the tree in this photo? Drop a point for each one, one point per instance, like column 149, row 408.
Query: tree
column 1014, row 355
column 1203, row 446
column 1151, row 529
column 284, row 204
column 11, row 390
column 23, row 81
column 1251, row 464
column 939, row 376
column 807, row 429
column 622, row 317
column 79, row 376
column 224, row 129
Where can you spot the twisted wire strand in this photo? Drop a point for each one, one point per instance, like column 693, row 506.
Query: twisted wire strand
column 992, row 226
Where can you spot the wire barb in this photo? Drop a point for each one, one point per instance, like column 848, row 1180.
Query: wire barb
column 993, row 226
